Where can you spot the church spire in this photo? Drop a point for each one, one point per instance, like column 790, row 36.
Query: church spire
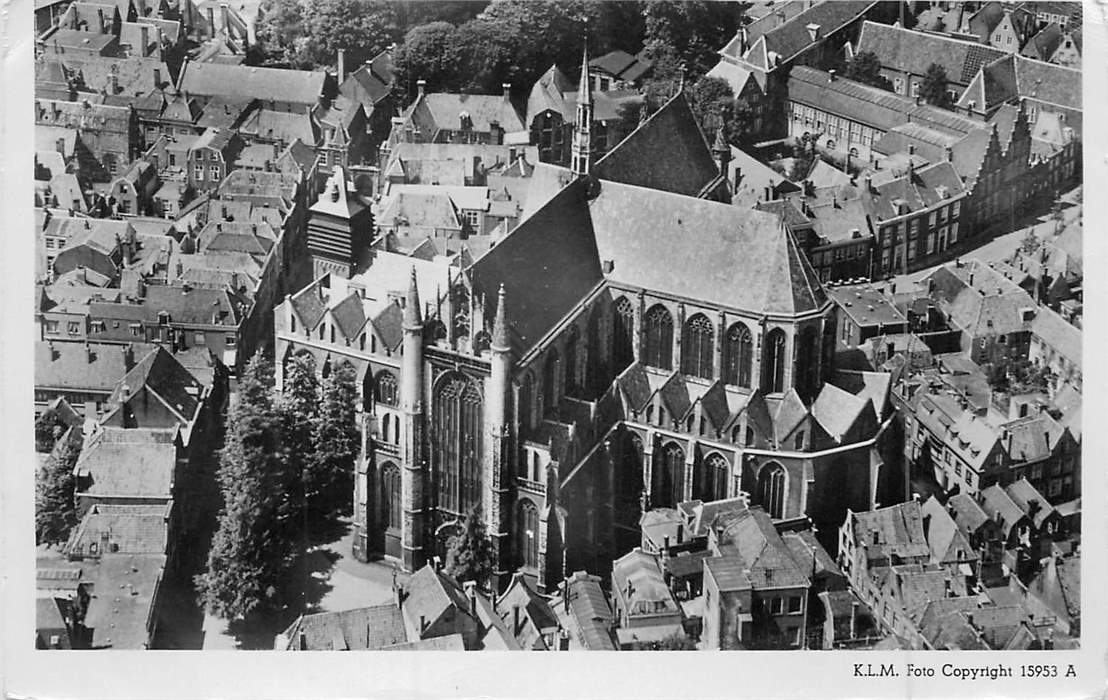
column 582, row 143
column 500, row 325
column 413, row 316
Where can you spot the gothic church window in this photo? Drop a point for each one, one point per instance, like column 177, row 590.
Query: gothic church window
column 456, row 432
column 771, row 489
column 623, row 334
column 773, row 365
column 659, row 338
column 571, row 362
column 528, row 533
column 738, row 356
column 386, row 389
column 390, row 494
column 696, row 347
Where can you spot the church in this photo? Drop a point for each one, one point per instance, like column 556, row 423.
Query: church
column 635, row 342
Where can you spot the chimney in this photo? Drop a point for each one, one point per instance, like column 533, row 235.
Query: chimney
column 831, row 75
column 224, row 16
column 303, row 637
column 211, row 21
column 813, row 31
column 422, row 624
column 515, row 619
column 565, row 596
column 342, row 65
column 128, row 356
column 868, row 183
column 563, row 639
column 400, row 596
column 949, row 154
column 144, row 39
column 90, row 356
column 853, row 619
column 471, row 593
column 911, row 151
column 114, row 81
column 54, row 354
column 101, row 28
column 421, row 87
column 680, row 532
column 157, row 77
column 507, row 88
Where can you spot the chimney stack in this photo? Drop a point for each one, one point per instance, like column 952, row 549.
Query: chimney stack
column 211, row 21
column 342, row 65
column 225, row 17
column 421, row 87
column 101, row 27
column 507, row 88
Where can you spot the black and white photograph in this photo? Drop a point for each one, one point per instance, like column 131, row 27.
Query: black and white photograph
column 557, row 325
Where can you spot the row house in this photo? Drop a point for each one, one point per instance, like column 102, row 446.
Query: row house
column 110, row 134
column 1054, row 44
column 906, row 55
column 84, row 374
column 1056, row 345
column 276, row 89
column 210, row 157
column 758, row 67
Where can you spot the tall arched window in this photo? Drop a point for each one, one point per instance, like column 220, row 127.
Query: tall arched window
column 713, row 478
column 457, row 426
column 669, row 478
column 594, row 363
column 807, row 369
column 386, row 422
column 550, row 381
column 369, row 390
column 696, row 347
column 570, row 380
column 390, row 495
column 623, row 334
column 385, row 390
column 738, row 355
column 773, row 362
column 772, row 483
column 528, row 533
column 659, row 338
column 526, row 399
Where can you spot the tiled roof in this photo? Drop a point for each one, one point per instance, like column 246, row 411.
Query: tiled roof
column 250, row 82
column 1057, row 333
column 125, row 588
column 161, row 373
column 131, row 529
column 649, row 593
column 995, row 500
column 913, row 52
column 766, row 559
column 898, row 530
column 1023, row 494
column 349, row 315
column 672, row 136
column 67, row 366
column 430, row 594
column 837, row 410
column 792, row 37
column 281, row 126
column 1041, row 46
column 557, row 237
column 590, row 611
column 132, row 76
column 195, row 306
column 349, row 630
column 128, row 462
column 435, row 111
column 947, row 543
column 745, row 259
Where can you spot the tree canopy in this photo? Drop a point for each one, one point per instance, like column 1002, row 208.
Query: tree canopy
column 335, row 443
column 933, row 89
column 469, row 555
column 55, row 507
column 678, row 641
column 865, row 67
column 253, row 549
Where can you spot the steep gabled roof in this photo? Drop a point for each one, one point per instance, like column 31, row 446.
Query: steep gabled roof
column 250, row 82
column 547, row 264
column 667, row 153
column 912, row 52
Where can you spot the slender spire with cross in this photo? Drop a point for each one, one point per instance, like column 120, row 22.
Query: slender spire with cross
column 582, row 142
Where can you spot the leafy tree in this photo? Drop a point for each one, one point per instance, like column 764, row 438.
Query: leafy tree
column 299, row 413
column 677, row 641
column 933, row 89
column 710, row 98
column 48, row 429
column 430, row 52
column 280, row 29
column 804, row 157
column 252, row 552
column 363, row 28
column 55, row 508
column 1030, row 242
column 337, row 441
column 469, row 555
column 690, row 31
column 865, row 67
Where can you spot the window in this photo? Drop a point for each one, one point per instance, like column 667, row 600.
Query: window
column 550, row 381
column 623, row 326
column 777, row 606
column 136, row 330
column 229, row 340
column 713, row 479
column 772, row 483
column 659, row 338
column 172, row 159
column 213, row 171
column 51, row 326
column 794, row 604
column 696, row 347
column 738, row 355
column 385, row 389
column 669, row 479
column 391, row 494
column 457, row 419
column 898, row 86
column 472, row 219
column 199, row 172
column 528, row 533
column 570, row 380
column 73, row 327
column 97, row 326
column 773, row 362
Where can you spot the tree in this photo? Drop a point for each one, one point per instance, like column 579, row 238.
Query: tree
column 677, row 641
column 933, row 89
column 710, row 98
column 430, row 52
column 299, row 413
column 337, row 441
column 692, row 32
column 865, row 67
column 363, row 28
column 55, row 507
column 469, row 555
column 48, row 430
column 252, row 553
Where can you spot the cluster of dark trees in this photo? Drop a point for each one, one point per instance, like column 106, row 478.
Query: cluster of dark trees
column 865, row 67
column 477, row 47
column 286, row 467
